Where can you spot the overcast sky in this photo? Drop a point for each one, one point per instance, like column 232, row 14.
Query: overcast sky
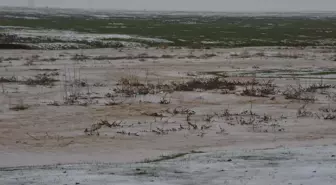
column 187, row 5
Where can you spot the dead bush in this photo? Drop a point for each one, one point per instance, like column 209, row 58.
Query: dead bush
column 327, row 109
column 131, row 86
column 30, row 60
column 43, row 79
column 288, row 55
column 154, row 114
column 11, row 79
column 180, row 110
column 329, row 113
column 80, row 57
column 71, row 99
column 316, row 86
column 130, row 80
column 329, row 117
column 245, row 121
column 11, row 58
column 206, row 56
column 51, row 59
column 204, row 84
column 128, row 133
column 262, row 90
column 243, row 54
column 259, row 54
column 208, row 118
column 129, row 91
column 303, row 112
column 164, row 100
column 98, row 84
column 95, row 127
column 79, row 83
column 19, row 107
column 298, row 93
column 167, row 56
column 54, row 103
column 114, row 100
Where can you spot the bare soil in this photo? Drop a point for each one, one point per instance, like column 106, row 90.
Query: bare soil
column 49, row 130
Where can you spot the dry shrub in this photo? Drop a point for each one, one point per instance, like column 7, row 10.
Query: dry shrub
column 316, row 86
column 298, row 93
column 8, row 79
column 72, row 99
column 114, row 100
column 243, row 54
column 129, row 90
column 180, row 110
column 52, row 59
column 95, row 127
column 288, row 55
column 164, row 100
column 328, row 113
column 262, row 90
column 54, row 103
column 329, row 117
column 44, row 79
column 259, row 54
column 19, row 107
column 206, row 56
column 131, row 86
column 327, row 109
column 80, row 57
column 303, row 112
column 167, row 56
column 30, row 61
column 204, row 84
column 130, row 80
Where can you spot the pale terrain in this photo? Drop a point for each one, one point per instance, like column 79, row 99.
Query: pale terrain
column 288, row 145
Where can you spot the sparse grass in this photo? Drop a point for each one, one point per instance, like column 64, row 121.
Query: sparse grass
column 51, row 59
column 165, row 158
column 171, row 156
column 316, row 86
column 54, row 103
column 12, row 79
column 205, row 84
column 288, row 55
column 19, row 107
column 80, row 57
column 298, row 93
column 131, row 85
column 262, row 90
column 43, row 69
column 12, row 58
column 165, row 100
column 43, row 79
column 322, row 73
column 303, row 112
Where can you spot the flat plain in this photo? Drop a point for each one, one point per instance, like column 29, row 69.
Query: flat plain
column 161, row 111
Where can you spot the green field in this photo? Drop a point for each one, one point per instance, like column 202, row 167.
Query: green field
column 197, row 31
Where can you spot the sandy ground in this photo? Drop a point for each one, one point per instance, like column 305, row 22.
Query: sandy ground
column 47, row 135
column 281, row 165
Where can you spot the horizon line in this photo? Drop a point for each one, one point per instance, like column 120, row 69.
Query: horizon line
column 185, row 11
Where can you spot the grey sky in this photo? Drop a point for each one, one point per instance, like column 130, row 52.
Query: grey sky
column 188, row 5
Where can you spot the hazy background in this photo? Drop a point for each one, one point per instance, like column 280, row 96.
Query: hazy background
column 186, row 5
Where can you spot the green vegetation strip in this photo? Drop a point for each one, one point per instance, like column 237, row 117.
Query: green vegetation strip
column 198, row 31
